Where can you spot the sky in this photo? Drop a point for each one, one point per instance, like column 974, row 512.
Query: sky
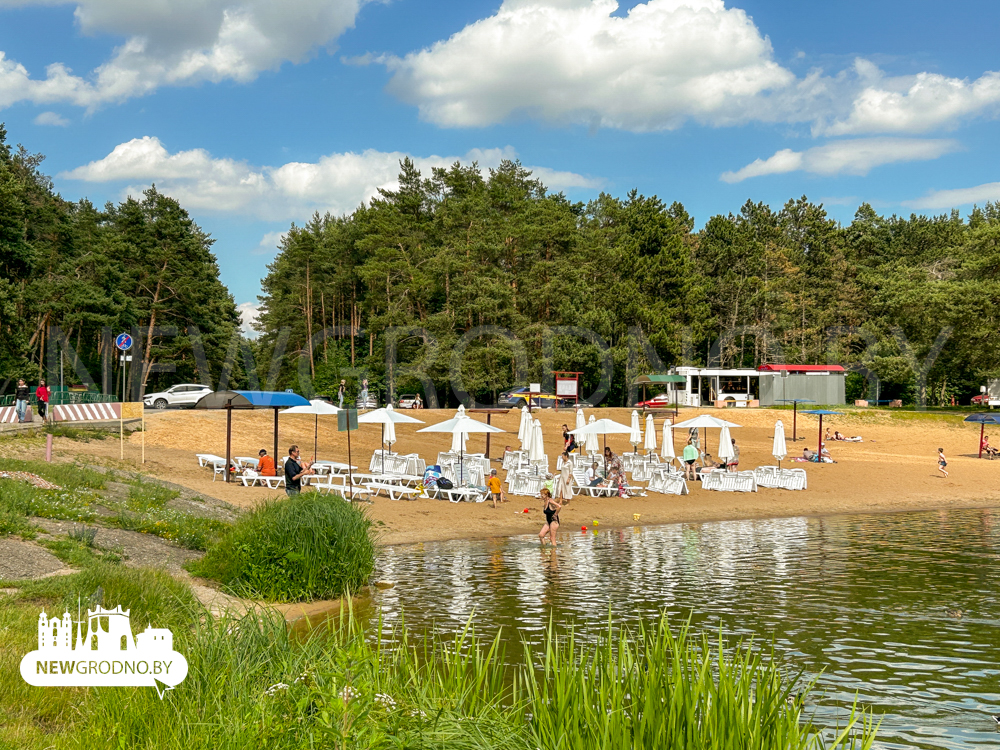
column 256, row 114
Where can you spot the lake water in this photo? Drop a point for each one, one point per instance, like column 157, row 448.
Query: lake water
column 900, row 609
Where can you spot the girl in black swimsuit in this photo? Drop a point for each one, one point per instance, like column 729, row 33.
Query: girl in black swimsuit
column 551, row 510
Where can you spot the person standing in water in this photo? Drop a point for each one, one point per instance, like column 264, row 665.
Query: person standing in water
column 550, row 508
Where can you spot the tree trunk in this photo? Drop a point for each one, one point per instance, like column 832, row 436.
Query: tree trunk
column 146, row 364
column 322, row 312
column 309, row 323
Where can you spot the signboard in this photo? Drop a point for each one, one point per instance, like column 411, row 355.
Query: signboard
column 535, row 388
column 347, row 420
column 124, row 341
column 566, row 388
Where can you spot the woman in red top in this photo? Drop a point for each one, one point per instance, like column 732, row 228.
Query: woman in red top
column 42, row 397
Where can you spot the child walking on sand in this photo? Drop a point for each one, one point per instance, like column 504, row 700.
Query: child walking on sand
column 942, row 462
column 495, row 488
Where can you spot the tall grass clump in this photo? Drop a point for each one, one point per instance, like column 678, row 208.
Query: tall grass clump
column 303, row 548
column 656, row 689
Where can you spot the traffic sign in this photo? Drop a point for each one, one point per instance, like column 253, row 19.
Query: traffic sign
column 123, row 342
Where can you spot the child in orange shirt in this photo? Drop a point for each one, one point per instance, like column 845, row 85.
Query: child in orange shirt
column 495, row 488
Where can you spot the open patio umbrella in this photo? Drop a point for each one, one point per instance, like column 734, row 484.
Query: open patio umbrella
column 650, row 442
column 537, row 451
column 316, row 407
column 704, row 421
column 522, row 428
column 726, row 451
column 821, row 413
column 388, row 418
column 667, row 451
column 461, row 424
column 603, row 427
column 778, row 449
column 635, row 432
column 592, row 444
column 982, row 419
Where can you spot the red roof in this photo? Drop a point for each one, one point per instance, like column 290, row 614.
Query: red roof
column 800, row 368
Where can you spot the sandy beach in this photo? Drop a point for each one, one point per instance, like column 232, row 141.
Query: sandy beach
column 894, row 469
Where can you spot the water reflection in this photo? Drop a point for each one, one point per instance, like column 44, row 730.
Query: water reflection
column 901, row 609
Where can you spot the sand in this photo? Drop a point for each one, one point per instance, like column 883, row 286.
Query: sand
column 894, row 469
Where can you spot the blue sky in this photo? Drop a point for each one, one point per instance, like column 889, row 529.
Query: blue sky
column 255, row 113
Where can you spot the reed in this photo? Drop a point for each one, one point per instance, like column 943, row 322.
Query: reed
column 303, row 548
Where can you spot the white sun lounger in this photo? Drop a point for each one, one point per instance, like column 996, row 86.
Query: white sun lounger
column 580, row 480
column 784, row 479
column 394, row 491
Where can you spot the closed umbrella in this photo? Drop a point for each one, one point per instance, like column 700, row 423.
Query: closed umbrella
column 650, row 443
column 778, row 449
column 726, row 451
column 458, row 439
column 522, row 428
column 592, row 444
column 705, row 421
column 581, row 419
column 537, row 451
column 388, row 418
column 635, row 431
column 667, row 451
column 461, row 424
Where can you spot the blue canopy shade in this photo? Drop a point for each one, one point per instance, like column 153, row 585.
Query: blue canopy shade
column 982, row 418
column 820, row 412
column 796, row 401
column 250, row 400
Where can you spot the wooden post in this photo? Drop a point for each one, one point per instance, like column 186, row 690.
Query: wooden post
column 488, row 415
column 795, row 414
column 982, row 429
column 48, row 448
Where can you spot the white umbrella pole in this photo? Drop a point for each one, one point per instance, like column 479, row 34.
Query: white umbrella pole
column 316, row 437
column 382, row 447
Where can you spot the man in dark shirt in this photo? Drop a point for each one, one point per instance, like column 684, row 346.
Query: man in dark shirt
column 21, row 400
column 294, row 471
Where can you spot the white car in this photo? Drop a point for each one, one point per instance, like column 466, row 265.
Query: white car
column 185, row 394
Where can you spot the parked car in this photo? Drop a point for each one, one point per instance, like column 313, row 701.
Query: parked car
column 661, row 401
column 518, row 397
column 981, row 399
column 185, row 394
column 407, row 401
column 371, row 403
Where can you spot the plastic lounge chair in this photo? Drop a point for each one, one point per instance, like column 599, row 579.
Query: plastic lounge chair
column 394, row 491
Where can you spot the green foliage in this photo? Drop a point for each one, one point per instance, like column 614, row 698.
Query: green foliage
column 84, row 435
column 254, row 683
column 305, row 547
column 70, row 476
column 145, row 511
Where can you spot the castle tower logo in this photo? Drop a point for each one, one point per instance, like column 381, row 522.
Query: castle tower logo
column 105, row 653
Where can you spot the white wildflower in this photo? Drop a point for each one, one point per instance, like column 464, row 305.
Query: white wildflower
column 274, row 689
column 386, row 701
column 348, row 694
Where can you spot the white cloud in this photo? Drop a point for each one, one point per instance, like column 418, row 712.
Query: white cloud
column 572, row 61
column 180, row 42
column 854, row 157
column 914, row 104
column 269, row 243
column 659, row 65
column 249, row 312
column 980, row 194
column 51, row 118
column 338, row 183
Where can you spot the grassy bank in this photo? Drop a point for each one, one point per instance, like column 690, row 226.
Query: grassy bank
column 296, row 549
column 254, row 684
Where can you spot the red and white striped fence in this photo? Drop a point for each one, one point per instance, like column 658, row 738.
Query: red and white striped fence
column 85, row 412
column 8, row 414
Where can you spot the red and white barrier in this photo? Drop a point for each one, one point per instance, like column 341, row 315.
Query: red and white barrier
column 8, row 414
column 85, row 412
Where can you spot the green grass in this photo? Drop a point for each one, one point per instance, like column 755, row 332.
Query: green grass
column 19, row 500
column 145, row 511
column 296, row 549
column 252, row 683
column 84, row 435
column 70, row 476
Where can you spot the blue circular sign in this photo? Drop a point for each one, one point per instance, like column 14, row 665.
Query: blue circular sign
column 124, row 341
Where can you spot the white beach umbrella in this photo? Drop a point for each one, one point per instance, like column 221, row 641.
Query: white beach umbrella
column 461, row 424
column 726, row 451
column 537, row 451
column 667, row 451
column 317, row 407
column 650, row 443
column 581, row 419
column 705, row 421
column 635, row 431
column 778, row 449
column 592, row 444
column 388, row 418
column 522, row 429
column 602, row 427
